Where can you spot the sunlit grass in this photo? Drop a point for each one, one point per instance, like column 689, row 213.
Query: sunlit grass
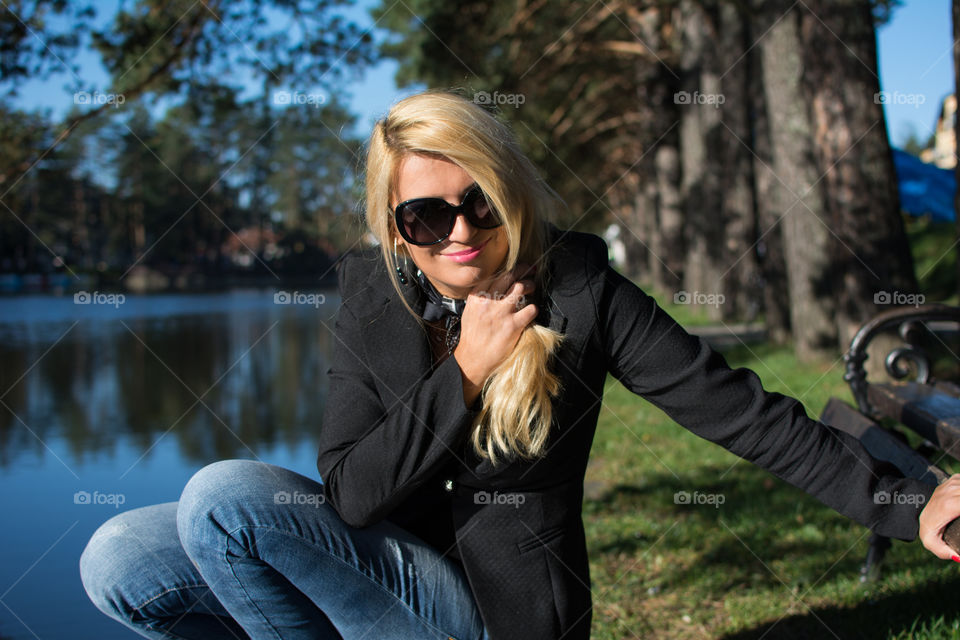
column 769, row 556
column 935, row 258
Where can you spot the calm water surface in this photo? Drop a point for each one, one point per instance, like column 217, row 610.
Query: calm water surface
column 103, row 404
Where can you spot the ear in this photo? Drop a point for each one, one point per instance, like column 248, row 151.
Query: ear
column 399, row 245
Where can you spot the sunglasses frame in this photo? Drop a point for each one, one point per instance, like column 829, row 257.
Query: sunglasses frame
column 468, row 199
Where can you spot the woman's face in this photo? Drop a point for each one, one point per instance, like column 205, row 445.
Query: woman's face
column 481, row 251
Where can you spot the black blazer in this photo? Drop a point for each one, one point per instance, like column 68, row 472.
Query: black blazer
column 393, row 443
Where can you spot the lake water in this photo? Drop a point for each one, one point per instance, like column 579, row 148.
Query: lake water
column 121, row 401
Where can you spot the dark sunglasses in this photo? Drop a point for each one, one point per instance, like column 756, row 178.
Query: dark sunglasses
column 426, row 221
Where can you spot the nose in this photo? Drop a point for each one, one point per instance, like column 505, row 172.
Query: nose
column 462, row 230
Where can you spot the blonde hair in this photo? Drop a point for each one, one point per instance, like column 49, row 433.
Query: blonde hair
column 516, row 409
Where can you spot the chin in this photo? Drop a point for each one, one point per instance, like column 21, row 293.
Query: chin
column 464, row 278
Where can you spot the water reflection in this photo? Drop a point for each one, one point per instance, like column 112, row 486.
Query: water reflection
column 128, row 402
column 240, row 373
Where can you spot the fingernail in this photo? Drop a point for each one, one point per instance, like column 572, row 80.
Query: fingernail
column 955, row 558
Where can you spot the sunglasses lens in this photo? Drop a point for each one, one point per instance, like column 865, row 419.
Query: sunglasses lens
column 479, row 212
column 426, row 221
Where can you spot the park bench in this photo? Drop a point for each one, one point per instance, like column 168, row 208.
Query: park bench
column 918, row 392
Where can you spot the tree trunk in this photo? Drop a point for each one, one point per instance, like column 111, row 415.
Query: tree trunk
column 739, row 276
column 770, row 247
column 867, row 247
column 796, row 195
column 700, row 162
column 666, row 263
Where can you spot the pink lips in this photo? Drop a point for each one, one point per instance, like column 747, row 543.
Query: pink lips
column 467, row 255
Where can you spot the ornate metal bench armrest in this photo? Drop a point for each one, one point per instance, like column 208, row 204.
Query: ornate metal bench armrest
column 910, row 322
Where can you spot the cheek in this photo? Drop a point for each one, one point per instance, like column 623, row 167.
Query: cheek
column 499, row 253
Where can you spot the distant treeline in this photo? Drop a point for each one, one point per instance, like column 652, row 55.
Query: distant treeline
column 213, row 186
column 168, row 168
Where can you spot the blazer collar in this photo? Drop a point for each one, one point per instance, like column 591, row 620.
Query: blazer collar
column 550, row 314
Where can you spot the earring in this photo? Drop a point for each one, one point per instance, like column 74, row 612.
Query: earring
column 400, row 274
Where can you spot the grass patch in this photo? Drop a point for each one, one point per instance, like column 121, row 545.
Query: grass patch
column 769, row 562
column 934, row 258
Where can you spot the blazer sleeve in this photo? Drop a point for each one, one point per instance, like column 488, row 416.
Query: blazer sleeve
column 654, row 357
column 375, row 450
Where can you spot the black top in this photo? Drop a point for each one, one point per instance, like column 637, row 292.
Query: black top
column 394, row 440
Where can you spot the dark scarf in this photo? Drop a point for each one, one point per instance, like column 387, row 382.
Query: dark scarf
column 438, row 307
column 442, row 311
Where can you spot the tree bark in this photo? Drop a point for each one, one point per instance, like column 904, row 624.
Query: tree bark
column 867, row 246
column 666, row 264
column 739, row 276
column 770, row 248
column 796, row 195
column 700, row 160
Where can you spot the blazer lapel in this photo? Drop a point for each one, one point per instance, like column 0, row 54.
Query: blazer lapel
column 397, row 347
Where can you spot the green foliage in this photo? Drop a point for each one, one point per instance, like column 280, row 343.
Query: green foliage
column 933, row 245
column 537, row 64
column 116, row 185
column 32, row 46
column 175, row 192
column 162, row 48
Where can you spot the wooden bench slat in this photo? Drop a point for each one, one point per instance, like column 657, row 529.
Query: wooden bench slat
column 931, row 413
column 879, row 442
column 947, row 387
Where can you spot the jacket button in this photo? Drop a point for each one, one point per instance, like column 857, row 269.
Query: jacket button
column 448, row 485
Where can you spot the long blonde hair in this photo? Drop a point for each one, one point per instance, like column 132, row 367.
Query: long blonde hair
column 516, row 399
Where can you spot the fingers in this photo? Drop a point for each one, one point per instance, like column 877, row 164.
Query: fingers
column 514, row 287
column 939, row 548
column 931, row 536
column 943, row 508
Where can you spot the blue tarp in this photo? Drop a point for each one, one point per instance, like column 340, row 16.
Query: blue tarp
column 925, row 189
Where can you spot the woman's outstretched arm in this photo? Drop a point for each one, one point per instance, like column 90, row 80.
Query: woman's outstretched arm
column 655, row 358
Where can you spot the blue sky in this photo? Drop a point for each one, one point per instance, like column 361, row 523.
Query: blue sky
column 915, row 55
column 916, row 62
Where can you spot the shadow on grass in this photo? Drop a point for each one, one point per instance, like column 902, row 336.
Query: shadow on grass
column 761, row 521
column 883, row 617
column 775, row 539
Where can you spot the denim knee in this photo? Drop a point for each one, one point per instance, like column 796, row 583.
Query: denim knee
column 216, row 493
column 108, row 577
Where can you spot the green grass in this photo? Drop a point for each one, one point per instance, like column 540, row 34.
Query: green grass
column 934, row 257
column 769, row 562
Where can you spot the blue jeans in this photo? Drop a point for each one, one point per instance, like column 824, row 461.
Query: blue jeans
column 251, row 550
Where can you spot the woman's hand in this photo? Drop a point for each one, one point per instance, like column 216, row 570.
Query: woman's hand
column 943, row 508
column 495, row 315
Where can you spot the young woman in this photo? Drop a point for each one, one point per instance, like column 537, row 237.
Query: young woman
column 471, row 352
